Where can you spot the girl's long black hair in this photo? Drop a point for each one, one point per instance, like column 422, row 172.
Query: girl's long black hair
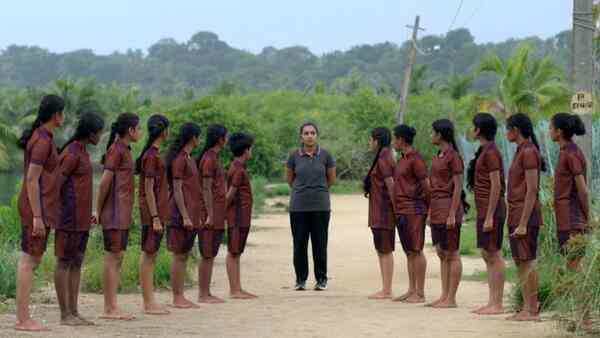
column 157, row 124
column 88, row 125
column 214, row 134
column 488, row 127
column 523, row 123
column 570, row 124
column 445, row 128
column 383, row 136
column 187, row 132
column 121, row 126
column 50, row 105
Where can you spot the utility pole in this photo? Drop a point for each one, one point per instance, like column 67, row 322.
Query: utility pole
column 412, row 58
column 583, row 67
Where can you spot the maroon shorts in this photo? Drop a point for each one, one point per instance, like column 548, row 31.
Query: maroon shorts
column 236, row 239
column 524, row 248
column 150, row 240
column 115, row 240
column 447, row 239
column 411, row 230
column 384, row 240
column 70, row 244
column 565, row 236
column 180, row 240
column 490, row 241
column 33, row 246
column 209, row 241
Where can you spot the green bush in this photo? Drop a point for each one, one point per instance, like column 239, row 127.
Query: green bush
column 9, row 257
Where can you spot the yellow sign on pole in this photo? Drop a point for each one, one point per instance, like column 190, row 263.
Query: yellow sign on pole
column 582, row 103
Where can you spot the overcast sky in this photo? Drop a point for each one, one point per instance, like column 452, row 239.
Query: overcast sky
column 321, row 25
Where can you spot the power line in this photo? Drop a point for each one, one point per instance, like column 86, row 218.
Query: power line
column 477, row 9
column 456, row 15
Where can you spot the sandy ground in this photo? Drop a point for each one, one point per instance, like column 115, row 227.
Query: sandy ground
column 342, row 311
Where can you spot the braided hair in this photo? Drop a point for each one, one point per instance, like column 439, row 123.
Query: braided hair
column 157, row 124
column 383, row 136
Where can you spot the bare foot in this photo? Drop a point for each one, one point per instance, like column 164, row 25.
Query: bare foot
column 524, row 316
column 210, row 299
column 30, row 325
column 251, row 295
column 71, row 321
column 241, row 295
column 415, row 299
column 491, row 310
column 183, row 304
column 434, row 303
column 117, row 315
column 84, row 321
column 380, row 295
column 403, row 297
column 155, row 309
column 445, row 305
column 479, row 309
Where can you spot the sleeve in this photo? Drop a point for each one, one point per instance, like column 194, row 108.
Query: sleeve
column 178, row 168
column 531, row 159
column 150, row 166
column 576, row 165
column 41, row 151
column 291, row 162
column 386, row 166
column 419, row 169
column 237, row 178
column 493, row 161
column 69, row 163
column 208, row 167
column 456, row 165
column 112, row 160
column 329, row 161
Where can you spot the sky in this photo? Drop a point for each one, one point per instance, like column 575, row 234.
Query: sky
column 322, row 25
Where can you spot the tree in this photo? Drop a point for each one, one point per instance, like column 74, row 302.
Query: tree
column 525, row 84
column 458, row 87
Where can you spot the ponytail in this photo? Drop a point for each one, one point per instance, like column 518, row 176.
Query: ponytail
column 50, row 105
column 523, row 123
column 488, row 127
column 187, row 132
column 569, row 124
column 383, row 136
column 157, row 124
column 121, row 126
column 214, row 134
column 89, row 123
column 445, row 128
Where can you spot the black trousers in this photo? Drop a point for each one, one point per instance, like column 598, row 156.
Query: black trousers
column 313, row 225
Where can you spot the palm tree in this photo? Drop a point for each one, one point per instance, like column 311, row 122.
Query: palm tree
column 526, row 84
column 458, row 87
column 7, row 142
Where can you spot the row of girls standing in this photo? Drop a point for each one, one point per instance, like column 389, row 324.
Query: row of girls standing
column 180, row 196
column 403, row 195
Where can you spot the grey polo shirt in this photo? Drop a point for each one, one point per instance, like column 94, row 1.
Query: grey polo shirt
column 310, row 191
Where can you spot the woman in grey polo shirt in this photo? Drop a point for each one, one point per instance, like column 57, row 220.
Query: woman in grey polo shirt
column 310, row 173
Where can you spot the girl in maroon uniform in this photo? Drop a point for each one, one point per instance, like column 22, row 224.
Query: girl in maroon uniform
column 39, row 200
column 446, row 209
column 114, row 206
column 154, row 207
column 412, row 195
column 524, row 209
column 72, row 231
column 571, row 201
column 210, row 235
column 379, row 188
column 485, row 177
column 184, row 207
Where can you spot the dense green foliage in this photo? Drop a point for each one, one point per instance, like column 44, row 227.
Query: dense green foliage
column 204, row 62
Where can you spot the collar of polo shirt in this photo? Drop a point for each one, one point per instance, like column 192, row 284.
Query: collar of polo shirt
column 303, row 153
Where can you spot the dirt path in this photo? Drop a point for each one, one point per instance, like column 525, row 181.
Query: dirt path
column 342, row 311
